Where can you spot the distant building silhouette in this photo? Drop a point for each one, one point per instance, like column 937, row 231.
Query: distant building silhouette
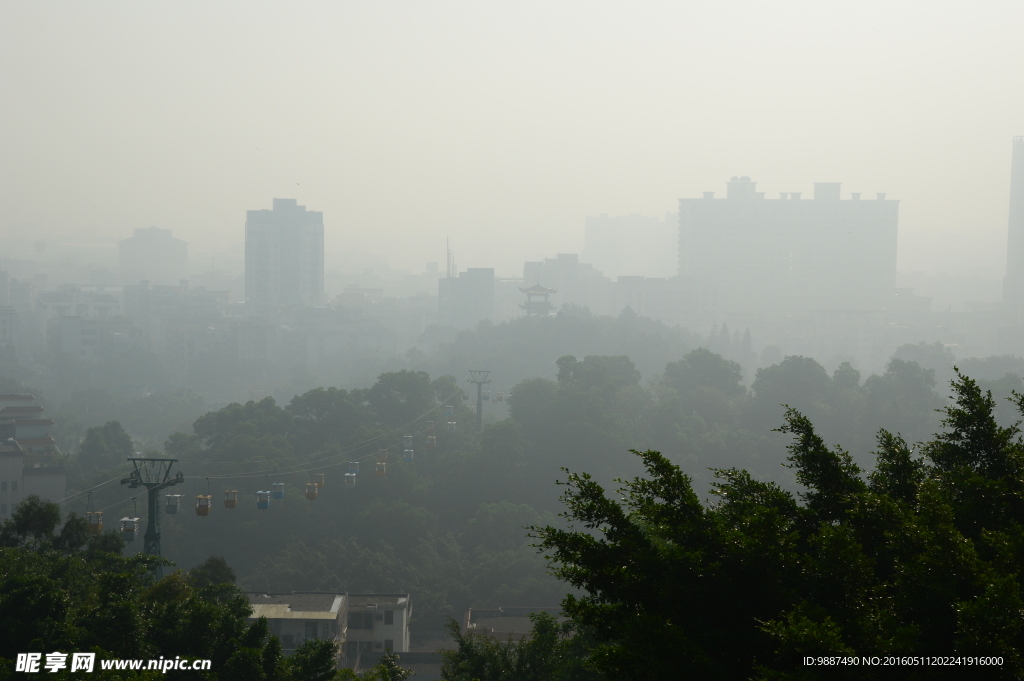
column 1013, row 283
column 771, row 258
column 632, row 245
column 466, row 299
column 284, row 255
column 154, row 255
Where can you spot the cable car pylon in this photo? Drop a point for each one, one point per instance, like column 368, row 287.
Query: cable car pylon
column 479, row 377
column 154, row 475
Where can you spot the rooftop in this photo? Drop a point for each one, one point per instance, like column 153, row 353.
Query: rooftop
column 305, row 602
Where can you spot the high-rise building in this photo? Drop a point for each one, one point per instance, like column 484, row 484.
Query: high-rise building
column 154, row 255
column 284, row 255
column 1013, row 284
column 769, row 258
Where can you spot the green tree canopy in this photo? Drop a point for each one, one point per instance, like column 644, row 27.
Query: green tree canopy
column 921, row 557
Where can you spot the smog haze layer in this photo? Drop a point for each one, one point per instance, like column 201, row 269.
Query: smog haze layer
column 503, row 125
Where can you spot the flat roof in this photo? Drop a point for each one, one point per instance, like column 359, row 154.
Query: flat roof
column 363, row 600
column 305, row 602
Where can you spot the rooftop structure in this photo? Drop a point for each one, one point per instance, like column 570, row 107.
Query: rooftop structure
column 301, row 616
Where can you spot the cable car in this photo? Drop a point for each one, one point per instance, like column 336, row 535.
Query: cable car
column 129, row 526
column 500, row 397
column 353, row 467
column 350, row 480
column 278, row 488
column 449, row 410
column 94, row 522
column 173, row 503
column 230, row 498
column 451, row 426
column 407, row 441
column 311, row 489
column 381, row 468
column 204, row 503
column 486, row 396
column 263, row 500
column 430, row 426
column 465, row 397
column 407, row 455
column 318, row 479
column 431, row 440
column 382, row 455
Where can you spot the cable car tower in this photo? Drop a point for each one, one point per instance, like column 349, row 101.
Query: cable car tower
column 480, row 378
column 154, row 475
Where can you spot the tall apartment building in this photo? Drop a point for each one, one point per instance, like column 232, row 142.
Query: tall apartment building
column 1013, row 283
column 767, row 258
column 284, row 255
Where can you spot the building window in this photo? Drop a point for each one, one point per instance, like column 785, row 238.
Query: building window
column 377, row 645
column 327, row 630
column 287, row 641
column 389, row 645
column 389, row 617
column 14, row 485
column 310, row 630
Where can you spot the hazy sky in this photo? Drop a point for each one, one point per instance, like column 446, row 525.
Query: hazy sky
column 502, row 125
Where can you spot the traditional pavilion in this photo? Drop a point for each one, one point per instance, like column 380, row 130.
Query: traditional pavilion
column 537, row 302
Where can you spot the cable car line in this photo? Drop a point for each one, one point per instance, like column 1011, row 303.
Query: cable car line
column 338, row 452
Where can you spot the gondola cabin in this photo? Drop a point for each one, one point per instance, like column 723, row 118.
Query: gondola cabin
column 263, row 500
column 129, row 527
column 204, row 504
column 430, row 426
column 353, row 467
column 382, row 468
column 500, row 397
column 278, row 490
column 230, row 498
column 350, row 480
column 449, row 410
column 173, row 503
column 318, row 479
column 465, row 397
column 407, row 441
column 407, row 455
column 431, row 440
column 486, row 396
column 311, row 489
column 94, row 522
column 451, row 426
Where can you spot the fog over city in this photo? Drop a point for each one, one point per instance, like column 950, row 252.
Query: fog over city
column 361, row 281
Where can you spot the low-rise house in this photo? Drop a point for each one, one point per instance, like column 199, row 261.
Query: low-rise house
column 301, row 616
column 377, row 623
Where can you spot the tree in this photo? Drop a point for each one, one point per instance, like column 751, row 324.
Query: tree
column 921, row 558
column 213, row 570
column 314, row 660
column 105, row 447
column 550, row 653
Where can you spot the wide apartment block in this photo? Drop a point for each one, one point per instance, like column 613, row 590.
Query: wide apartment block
column 766, row 258
column 284, row 255
column 364, row 625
